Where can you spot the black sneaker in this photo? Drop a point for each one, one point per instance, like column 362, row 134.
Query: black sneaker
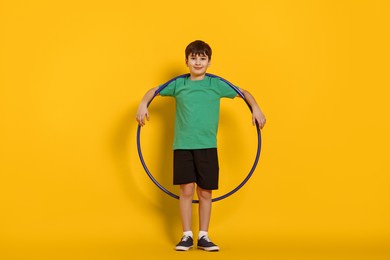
column 186, row 243
column 205, row 244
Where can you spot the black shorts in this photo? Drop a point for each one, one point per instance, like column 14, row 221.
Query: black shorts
column 200, row 166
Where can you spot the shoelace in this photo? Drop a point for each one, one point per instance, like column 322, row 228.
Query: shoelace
column 206, row 238
column 185, row 238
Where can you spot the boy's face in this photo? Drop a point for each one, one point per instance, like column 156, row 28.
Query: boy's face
column 198, row 64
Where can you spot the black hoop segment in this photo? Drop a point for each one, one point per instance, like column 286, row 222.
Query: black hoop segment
column 257, row 153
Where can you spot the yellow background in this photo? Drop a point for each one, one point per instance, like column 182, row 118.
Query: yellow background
column 73, row 72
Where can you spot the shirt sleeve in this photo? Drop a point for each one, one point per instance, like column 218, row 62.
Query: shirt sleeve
column 225, row 90
column 169, row 90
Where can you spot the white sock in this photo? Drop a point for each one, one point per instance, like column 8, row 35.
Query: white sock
column 188, row 233
column 203, row 233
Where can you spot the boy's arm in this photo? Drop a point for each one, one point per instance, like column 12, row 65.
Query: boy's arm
column 257, row 114
column 142, row 111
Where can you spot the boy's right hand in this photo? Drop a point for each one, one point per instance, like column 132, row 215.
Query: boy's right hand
column 142, row 113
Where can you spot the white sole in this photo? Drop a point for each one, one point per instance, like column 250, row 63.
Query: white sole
column 209, row 249
column 183, row 248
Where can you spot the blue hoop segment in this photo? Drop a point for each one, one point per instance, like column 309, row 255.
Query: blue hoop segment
column 232, row 191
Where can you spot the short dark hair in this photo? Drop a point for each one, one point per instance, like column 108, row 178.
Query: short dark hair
column 198, row 47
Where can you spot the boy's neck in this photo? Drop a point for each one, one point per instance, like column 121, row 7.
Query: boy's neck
column 197, row 77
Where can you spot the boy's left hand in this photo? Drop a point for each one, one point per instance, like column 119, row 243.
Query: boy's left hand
column 258, row 116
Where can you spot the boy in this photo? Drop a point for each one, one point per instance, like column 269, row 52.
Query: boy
column 195, row 146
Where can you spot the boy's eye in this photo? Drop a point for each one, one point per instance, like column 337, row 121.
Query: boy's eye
column 193, row 58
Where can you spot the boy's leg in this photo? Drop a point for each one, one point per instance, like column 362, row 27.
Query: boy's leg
column 185, row 201
column 205, row 203
column 207, row 169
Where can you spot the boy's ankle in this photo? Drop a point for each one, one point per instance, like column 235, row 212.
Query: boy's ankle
column 188, row 233
column 202, row 234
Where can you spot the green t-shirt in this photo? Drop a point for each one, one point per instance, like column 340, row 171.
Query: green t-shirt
column 197, row 110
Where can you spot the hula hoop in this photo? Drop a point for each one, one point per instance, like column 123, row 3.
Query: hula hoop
column 230, row 192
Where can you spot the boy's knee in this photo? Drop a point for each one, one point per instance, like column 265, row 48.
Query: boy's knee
column 187, row 190
column 204, row 194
